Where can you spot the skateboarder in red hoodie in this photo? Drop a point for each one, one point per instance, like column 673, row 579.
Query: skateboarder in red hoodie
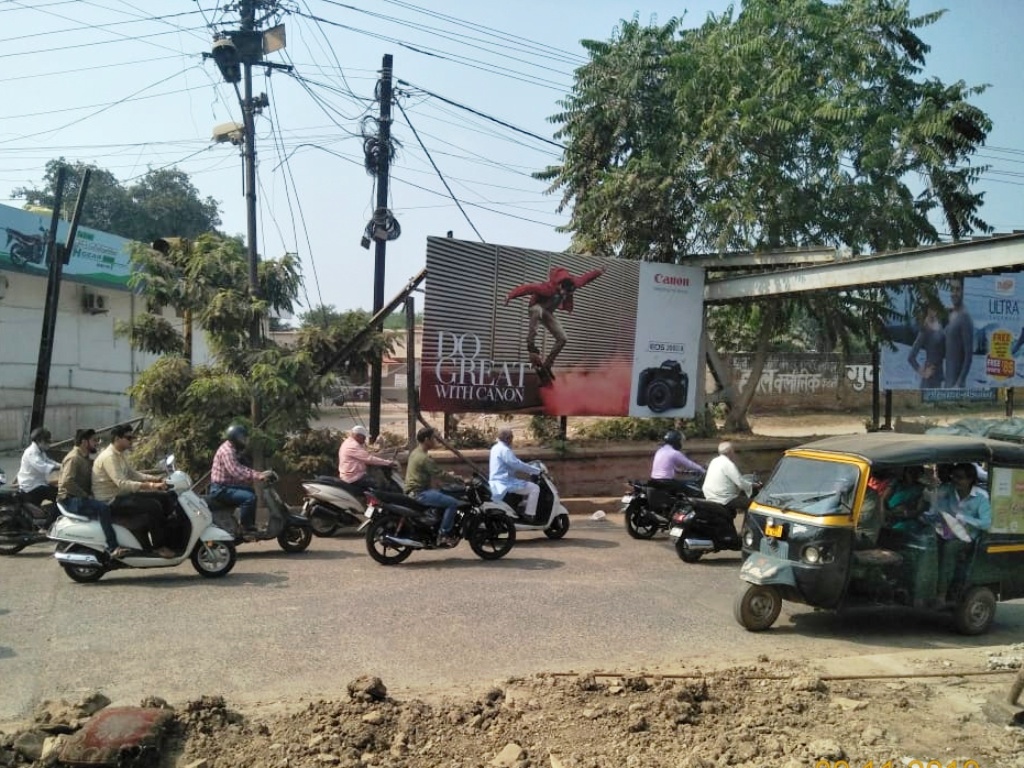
column 545, row 298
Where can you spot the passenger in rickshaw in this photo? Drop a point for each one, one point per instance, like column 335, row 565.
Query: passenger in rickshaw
column 872, row 510
column 904, row 498
column 969, row 508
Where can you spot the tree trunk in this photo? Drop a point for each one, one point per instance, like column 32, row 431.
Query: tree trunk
column 736, row 418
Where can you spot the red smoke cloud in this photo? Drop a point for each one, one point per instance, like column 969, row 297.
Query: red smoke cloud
column 583, row 392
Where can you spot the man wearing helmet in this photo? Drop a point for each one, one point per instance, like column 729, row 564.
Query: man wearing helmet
column 670, row 459
column 231, row 481
column 353, row 458
column 36, row 466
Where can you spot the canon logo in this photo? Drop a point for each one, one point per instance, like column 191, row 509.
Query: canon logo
column 671, row 279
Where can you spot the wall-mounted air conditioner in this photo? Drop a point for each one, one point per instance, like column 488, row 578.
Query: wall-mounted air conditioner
column 94, row 303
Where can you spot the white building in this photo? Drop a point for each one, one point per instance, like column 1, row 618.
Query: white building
column 91, row 366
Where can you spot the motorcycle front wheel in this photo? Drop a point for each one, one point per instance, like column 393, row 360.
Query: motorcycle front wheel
column 214, row 559
column 383, row 551
column 640, row 523
column 294, row 539
column 492, row 537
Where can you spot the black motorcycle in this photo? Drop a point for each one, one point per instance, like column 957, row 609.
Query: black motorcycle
column 648, row 507
column 25, row 249
column 22, row 523
column 398, row 524
column 292, row 531
column 704, row 526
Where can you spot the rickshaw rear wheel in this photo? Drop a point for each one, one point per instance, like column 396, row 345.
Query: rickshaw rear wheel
column 757, row 607
column 975, row 612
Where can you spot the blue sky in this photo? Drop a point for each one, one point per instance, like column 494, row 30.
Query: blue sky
column 123, row 85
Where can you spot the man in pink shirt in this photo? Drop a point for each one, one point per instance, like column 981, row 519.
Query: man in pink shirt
column 353, row 458
column 670, row 459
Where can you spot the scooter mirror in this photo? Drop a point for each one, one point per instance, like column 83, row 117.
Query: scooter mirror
column 169, row 462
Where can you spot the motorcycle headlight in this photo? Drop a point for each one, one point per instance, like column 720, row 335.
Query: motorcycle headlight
column 748, row 538
column 812, row 554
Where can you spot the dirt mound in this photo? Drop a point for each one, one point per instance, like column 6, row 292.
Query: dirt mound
column 759, row 715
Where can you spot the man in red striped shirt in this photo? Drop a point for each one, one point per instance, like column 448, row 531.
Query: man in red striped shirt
column 231, row 481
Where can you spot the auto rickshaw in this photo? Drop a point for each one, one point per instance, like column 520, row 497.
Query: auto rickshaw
column 807, row 537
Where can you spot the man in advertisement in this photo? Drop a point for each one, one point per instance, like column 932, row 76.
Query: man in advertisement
column 545, row 298
column 959, row 338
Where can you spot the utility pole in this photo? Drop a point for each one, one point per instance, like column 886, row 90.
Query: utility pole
column 380, row 228
column 56, row 256
column 236, row 53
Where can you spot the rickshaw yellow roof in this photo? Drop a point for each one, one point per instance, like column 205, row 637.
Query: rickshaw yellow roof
column 895, row 449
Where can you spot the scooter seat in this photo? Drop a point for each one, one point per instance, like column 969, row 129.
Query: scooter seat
column 339, row 483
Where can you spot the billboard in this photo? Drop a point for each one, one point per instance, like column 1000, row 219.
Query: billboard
column 517, row 330
column 96, row 258
column 967, row 342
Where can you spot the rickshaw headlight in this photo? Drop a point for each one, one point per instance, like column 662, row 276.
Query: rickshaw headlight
column 748, row 538
column 812, row 554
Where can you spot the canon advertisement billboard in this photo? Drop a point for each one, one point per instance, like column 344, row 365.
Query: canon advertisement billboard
column 512, row 329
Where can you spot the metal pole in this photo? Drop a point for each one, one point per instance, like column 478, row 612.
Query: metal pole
column 383, row 163
column 248, row 24
column 412, row 404
column 56, row 265
column 876, row 392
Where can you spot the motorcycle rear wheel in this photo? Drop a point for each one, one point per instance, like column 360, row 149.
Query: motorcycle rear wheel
column 294, row 539
column 558, row 528
column 380, row 550
column 214, row 559
column 640, row 522
column 83, row 574
column 320, row 523
column 686, row 554
column 9, row 526
column 492, row 537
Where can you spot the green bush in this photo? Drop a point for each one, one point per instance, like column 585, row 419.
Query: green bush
column 312, row 452
column 634, row 429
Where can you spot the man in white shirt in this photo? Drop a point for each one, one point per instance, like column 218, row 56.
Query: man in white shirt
column 503, row 468
column 36, row 466
column 723, row 482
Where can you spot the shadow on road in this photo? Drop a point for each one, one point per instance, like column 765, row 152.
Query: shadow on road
column 309, row 554
column 511, row 562
column 189, row 577
column 888, row 627
column 569, row 542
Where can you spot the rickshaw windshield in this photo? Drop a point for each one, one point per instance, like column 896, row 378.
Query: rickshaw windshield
column 812, row 486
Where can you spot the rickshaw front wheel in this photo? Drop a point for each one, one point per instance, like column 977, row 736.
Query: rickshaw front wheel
column 757, row 607
column 975, row 612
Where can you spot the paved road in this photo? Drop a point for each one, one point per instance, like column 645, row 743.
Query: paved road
column 285, row 626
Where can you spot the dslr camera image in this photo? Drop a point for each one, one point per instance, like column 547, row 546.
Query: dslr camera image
column 663, row 388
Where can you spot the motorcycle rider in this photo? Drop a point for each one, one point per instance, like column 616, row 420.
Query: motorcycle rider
column 353, row 459
column 503, row 468
column 421, row 476
column 36, row 466
column 670, row 459
column 116, row 482
column 231, row 481
column 723, row 482
column 74, row 489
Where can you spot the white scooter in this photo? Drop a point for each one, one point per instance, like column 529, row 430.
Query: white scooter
column 551, row 517
column 331, row 503
column 81, row 545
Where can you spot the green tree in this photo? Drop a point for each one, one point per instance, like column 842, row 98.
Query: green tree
column 324, row 331
column 785, row 124
column 162, row 203
column 190, row 405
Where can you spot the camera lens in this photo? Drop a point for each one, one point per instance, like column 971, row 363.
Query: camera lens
column 659, row 396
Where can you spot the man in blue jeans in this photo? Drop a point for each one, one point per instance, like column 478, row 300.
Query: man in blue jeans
column 231, row 481
column 421, row 474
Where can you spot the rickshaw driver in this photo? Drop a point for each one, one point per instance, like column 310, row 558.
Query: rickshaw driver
column 969, row 505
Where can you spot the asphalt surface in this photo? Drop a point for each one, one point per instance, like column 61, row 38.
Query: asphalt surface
column 283, row 627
